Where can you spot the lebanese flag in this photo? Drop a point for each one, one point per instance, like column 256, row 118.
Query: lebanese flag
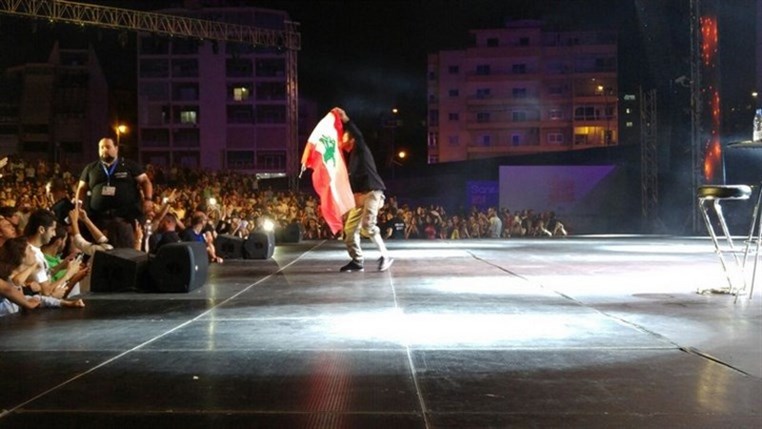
column 329, row 172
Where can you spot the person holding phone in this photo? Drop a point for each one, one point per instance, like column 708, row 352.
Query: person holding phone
column 39, row 231
column 17, row 263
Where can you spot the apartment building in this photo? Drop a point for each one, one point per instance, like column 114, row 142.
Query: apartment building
column 214, row 105
column 55, row 110
column 521, row 90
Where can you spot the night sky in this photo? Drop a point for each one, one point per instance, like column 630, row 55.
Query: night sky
column 371, row 56
column 368, row 56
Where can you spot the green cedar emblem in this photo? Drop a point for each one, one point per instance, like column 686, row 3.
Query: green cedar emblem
column 330, row 150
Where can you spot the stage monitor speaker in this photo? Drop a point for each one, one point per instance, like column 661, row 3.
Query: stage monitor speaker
column 118, row 270
column 228, row 246
column 293, row 233
column 179, row 267
column 259, row 245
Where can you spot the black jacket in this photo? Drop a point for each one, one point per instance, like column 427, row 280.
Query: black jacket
column 363, row 176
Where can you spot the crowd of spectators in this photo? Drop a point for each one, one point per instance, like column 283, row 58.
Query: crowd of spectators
column 236, row 203
column 42, row 229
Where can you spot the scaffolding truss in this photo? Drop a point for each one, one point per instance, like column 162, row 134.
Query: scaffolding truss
column 649, row 160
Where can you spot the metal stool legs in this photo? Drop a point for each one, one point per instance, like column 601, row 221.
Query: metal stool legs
column 756, row 222
column 715, row 194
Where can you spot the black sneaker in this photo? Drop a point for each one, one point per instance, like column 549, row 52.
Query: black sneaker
column 384, row 263
column 352, row 266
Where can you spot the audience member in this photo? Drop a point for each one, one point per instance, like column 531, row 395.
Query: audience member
column 7, row 230
column 59, row 199
column 77, row 216
column 166, row 233
column 38, row 232
column 16, row 259
column 495, row 224
column 195, row 232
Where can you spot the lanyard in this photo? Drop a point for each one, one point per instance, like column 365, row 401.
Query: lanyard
column 109, row 171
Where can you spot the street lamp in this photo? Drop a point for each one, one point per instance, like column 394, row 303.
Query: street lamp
column 607, row 135
column 120, row 129
column 393, row 123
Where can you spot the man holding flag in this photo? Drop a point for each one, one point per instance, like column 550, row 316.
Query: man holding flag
column 363, row 178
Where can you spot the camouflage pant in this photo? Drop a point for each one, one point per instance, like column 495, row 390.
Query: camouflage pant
column 362, row 219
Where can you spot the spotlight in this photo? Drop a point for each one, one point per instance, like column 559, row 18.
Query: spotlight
column 268, row 225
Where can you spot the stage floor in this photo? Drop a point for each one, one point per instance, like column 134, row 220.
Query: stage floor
column 584, row 332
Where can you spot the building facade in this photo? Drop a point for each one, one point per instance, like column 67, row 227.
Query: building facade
column 55, row 110
column 521, row 90
column 214, row 105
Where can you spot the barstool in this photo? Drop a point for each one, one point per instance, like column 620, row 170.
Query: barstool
column 716, row 194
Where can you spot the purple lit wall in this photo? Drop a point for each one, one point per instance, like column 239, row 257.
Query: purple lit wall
column 590, row 199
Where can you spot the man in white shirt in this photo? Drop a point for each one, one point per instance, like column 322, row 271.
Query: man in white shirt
column 40, row 229
column 495, row 224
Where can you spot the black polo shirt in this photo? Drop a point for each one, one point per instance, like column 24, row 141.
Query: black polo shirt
column 126, row 201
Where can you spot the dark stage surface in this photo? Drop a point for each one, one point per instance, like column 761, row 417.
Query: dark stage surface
column 584, row 332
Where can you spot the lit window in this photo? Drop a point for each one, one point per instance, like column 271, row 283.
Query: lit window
column 188, row 117
column 629, row 124
column 240, row 93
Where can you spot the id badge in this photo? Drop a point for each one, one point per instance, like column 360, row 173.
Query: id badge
column 108, row 191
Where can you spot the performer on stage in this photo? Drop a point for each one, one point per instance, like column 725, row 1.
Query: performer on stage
column 368, row 189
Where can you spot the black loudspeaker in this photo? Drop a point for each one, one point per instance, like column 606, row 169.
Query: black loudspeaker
column 259, row 245
column 119, row 270
column 293, row 233
column 179, row 267
column 228, row 246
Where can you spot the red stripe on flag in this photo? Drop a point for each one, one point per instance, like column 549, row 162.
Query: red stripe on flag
column 329, row 177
